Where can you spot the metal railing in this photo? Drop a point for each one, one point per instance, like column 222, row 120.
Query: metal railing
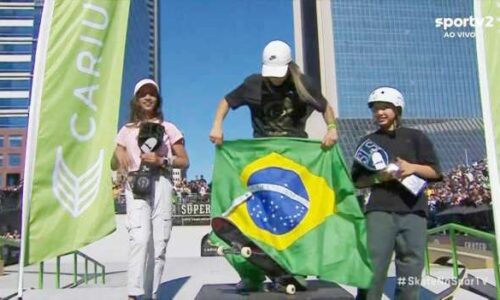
column 102, row 273
column 453, row 229
column 75, row 270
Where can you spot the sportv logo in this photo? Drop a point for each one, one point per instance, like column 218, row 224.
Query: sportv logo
column 464, row 27
column 446, row 23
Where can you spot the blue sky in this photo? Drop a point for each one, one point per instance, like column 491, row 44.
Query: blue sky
column 207, row 49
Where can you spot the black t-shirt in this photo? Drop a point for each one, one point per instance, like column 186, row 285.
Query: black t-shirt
column 411, row 145
column 276, row 110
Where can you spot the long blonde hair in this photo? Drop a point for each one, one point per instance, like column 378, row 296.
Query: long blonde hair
column 297, row 78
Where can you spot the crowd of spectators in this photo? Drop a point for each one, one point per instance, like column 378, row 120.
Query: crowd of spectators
column 186, row 191
column 10, row 202
column 11, row 234
column 10, row 254
column 463, row 197
column 463, row 185
column 197, row 190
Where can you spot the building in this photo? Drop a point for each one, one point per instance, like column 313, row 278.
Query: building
column 19, row 23
column 11, row 155
column 354, row 46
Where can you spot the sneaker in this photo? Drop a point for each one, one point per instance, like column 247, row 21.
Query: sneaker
column 241, row 287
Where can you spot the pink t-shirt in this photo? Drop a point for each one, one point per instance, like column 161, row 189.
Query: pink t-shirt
column 127, row 137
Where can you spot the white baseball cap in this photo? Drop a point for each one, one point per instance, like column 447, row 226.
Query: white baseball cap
column 143, row 82
column 275, row 59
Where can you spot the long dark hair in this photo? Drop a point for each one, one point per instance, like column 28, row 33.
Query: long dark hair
column 137, row 114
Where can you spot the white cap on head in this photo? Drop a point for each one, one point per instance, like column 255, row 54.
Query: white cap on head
column 143, row 82
column 387, row 94
column 275, row 59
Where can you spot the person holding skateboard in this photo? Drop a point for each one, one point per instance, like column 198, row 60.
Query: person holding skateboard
column 395, row 212
column 280, row 100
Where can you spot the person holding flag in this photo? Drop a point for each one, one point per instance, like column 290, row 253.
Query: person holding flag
column 395, row 211
column 147, row 148
column 280, row 99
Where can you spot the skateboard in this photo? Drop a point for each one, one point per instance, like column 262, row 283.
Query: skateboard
column 451, row 291
column 240, row 244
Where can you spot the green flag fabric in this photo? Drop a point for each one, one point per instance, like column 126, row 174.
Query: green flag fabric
column 73, row 123
column 297, row 202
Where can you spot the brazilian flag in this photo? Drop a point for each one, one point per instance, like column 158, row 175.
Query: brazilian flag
column 295, row 201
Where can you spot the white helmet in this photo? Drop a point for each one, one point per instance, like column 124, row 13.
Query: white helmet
column 387, row 94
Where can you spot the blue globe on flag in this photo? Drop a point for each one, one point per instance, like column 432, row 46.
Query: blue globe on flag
column 279, row 199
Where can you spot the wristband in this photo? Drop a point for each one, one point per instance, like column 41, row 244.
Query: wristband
column 332, row 125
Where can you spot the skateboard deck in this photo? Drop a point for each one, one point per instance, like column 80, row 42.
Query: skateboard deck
column 241, row 244
column 451, row 291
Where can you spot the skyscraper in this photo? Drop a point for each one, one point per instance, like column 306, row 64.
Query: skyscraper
column 366, row 44
column 19, row 23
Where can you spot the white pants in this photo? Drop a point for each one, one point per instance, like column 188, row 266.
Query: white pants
column 149, row 223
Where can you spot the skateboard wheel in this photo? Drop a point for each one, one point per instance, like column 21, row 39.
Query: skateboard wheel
column 220, row 251
column 290, row 289
column 246, row 252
